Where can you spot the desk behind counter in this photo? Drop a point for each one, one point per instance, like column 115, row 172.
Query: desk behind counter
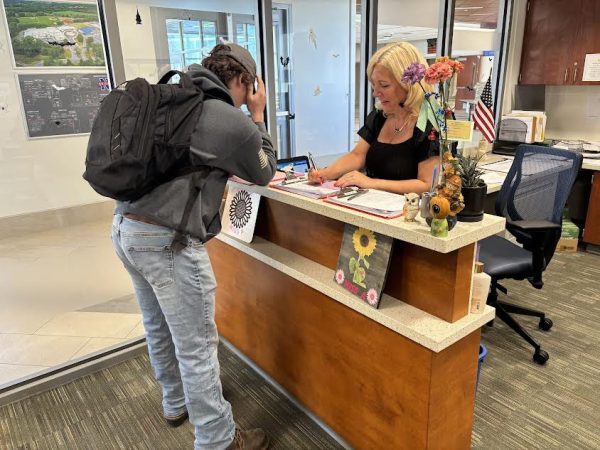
column 583, row 202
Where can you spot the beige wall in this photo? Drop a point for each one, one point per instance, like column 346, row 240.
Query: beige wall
column 573, row 112
column 472, row 41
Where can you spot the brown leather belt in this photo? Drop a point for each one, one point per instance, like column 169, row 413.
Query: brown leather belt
column 139, row 218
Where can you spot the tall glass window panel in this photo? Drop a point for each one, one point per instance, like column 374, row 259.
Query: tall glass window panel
column 63, row 292
column 356, row 56
column 475, row 42
column 314, row 48
column 414, row 21
column 176, row 34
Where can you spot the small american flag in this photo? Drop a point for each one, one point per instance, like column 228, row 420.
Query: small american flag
column 103, row 84
column 484, row 114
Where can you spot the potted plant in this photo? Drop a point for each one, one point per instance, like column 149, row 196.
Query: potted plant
column 474, row 188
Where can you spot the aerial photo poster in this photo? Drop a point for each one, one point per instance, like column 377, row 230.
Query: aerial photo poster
column 54, row 34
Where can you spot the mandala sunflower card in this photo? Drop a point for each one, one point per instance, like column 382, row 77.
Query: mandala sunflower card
column 363, row 263
column 239, row 214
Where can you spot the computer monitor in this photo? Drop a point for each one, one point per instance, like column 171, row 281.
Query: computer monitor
column 298, row 163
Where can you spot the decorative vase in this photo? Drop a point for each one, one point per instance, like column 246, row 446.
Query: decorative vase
column 474, row 203
column 452, row 221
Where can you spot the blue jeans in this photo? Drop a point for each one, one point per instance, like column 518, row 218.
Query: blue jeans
column 176, row 293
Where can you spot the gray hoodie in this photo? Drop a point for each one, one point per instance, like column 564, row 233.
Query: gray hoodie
column 226, row 142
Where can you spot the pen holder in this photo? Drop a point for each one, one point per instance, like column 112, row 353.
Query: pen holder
column 425, row 199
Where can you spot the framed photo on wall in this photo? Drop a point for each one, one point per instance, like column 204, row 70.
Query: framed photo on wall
column 47, row 34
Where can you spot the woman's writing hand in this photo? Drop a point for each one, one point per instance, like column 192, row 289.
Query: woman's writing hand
column 354, row 178
column 315, row 176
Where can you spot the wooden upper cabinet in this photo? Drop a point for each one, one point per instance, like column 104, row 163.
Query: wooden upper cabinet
column 558, row 34
column 588, row 38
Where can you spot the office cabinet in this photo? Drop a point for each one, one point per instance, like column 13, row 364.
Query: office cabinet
column 558, row 35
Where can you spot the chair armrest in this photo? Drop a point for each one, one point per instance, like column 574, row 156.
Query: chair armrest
column 538, row 230
column 532, row 226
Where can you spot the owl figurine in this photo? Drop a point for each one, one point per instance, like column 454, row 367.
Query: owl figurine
column 411, row 207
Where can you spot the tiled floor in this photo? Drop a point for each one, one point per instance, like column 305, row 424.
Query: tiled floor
column 63, row 295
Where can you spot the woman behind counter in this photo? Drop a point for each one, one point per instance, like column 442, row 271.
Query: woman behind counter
column 396, row 155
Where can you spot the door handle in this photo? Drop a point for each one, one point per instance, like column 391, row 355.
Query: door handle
column 291, row 116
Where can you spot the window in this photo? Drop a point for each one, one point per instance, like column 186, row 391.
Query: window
column 245, row 35
column 189, row 41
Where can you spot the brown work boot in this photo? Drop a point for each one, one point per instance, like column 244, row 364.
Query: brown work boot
column 255, row 439
column 175, row 421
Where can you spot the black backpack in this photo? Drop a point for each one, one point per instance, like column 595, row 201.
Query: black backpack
column 141, row 136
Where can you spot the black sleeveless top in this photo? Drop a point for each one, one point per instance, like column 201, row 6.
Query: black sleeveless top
column 395, row 161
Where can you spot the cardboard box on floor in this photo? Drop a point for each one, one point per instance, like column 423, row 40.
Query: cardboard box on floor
column 569, row 236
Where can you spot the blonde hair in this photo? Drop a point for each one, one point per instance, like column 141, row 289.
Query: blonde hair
column 396, row 57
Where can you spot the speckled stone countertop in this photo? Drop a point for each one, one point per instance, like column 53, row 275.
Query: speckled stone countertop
column 417, row 325
column 416, row 233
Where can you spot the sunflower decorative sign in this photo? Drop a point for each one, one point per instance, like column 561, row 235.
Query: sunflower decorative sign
column 239, row 215
column 363, row 263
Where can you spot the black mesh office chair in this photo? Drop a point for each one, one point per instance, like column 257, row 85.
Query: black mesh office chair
column 532, row 199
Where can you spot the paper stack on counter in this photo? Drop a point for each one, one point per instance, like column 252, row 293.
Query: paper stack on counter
column 301, row 186
column 500, row 166
column 493, row 177
column 379, row 203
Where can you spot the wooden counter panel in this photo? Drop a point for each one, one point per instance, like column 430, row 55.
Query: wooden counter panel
column 368, row 383
column 311, row 235
column 439, row 283
column 453, row 379
column 591, row 232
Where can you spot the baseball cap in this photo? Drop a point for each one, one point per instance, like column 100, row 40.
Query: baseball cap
column 238, row 54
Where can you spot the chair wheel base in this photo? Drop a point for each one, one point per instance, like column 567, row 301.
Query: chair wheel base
column 545, row 324
column 541, row 357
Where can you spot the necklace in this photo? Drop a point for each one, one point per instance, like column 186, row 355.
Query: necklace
column 398, row 130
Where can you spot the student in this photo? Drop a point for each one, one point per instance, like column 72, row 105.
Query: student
column 176, row 287
column 394, row 153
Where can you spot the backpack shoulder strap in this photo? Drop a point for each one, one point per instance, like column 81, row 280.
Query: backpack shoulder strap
column 198, row 178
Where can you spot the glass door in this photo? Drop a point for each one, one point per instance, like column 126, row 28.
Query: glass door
column 283, row 81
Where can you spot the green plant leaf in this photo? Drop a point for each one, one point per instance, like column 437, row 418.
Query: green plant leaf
column 468, row 171
column 353, row 264
column 362, row 273
column 367, row 265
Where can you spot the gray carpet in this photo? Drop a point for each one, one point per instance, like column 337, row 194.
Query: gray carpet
column 119, row 408
column 519, row 404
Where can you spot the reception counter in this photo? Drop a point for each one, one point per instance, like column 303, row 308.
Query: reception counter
column 401, row 376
